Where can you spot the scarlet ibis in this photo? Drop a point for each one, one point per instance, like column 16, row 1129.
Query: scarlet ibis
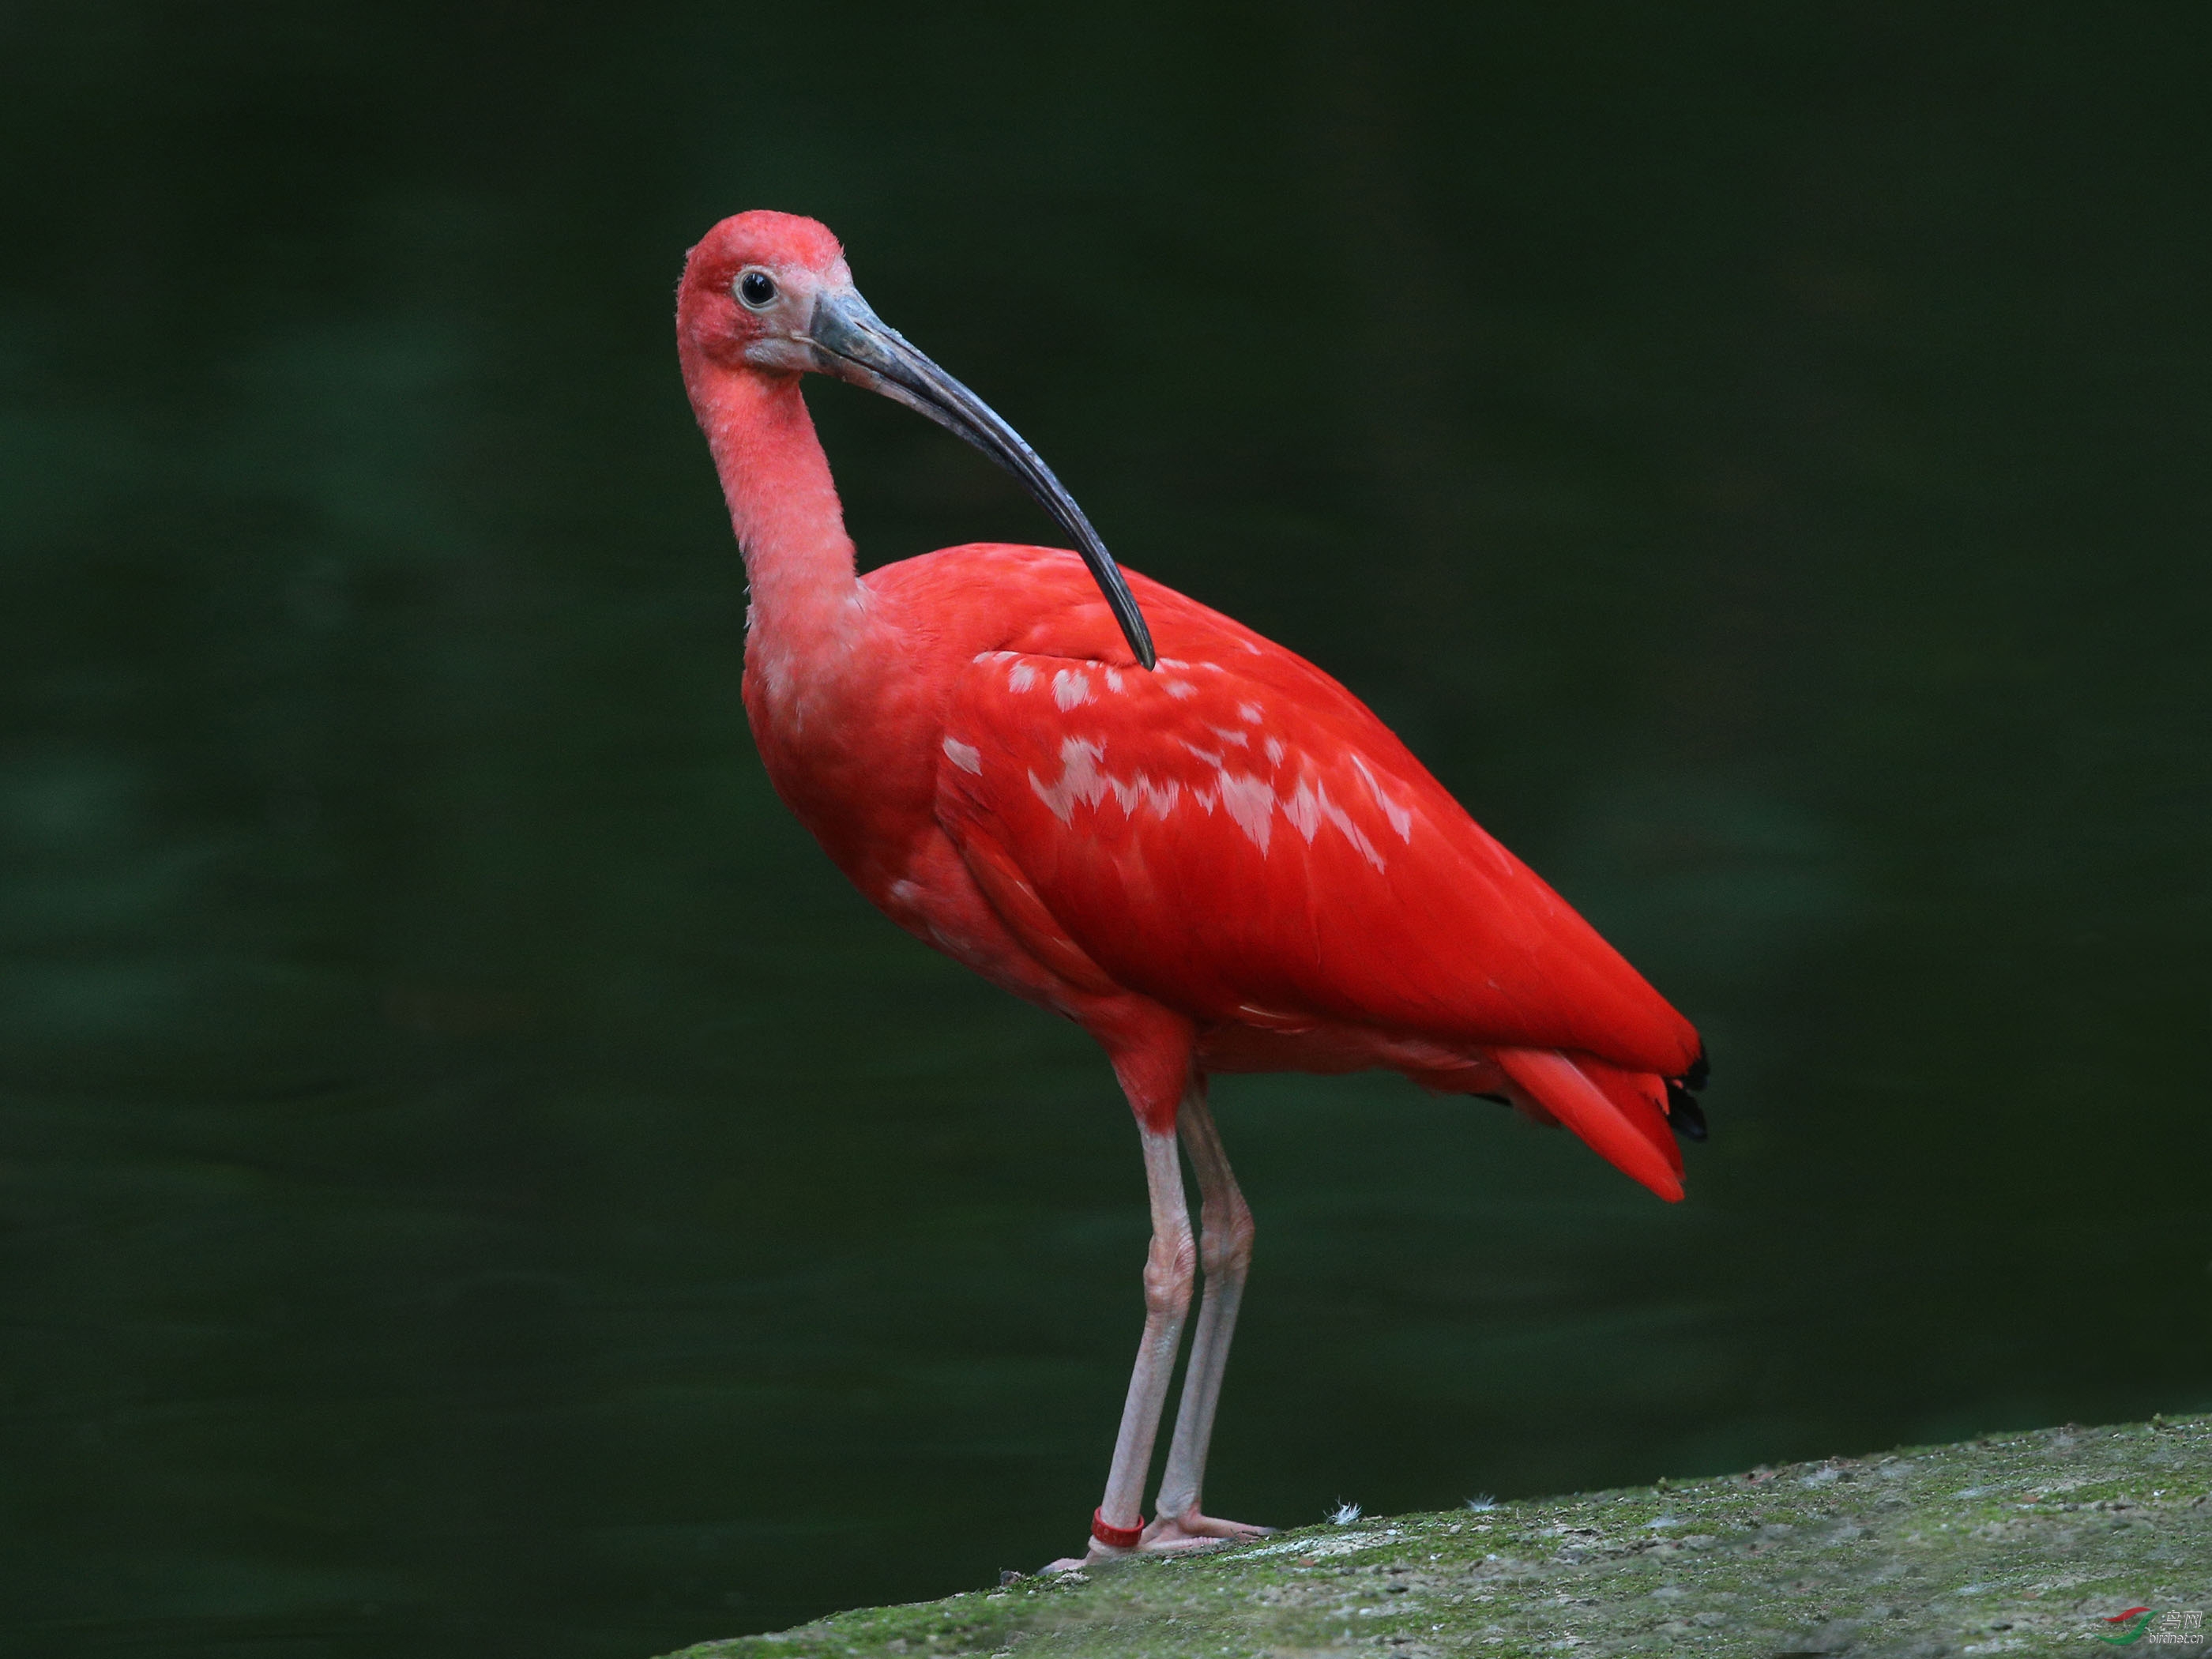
column 1208, row 854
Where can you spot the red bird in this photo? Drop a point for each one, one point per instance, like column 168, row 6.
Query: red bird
column 1212, row 858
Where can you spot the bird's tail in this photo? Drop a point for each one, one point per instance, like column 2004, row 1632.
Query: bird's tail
column 1621, row 1115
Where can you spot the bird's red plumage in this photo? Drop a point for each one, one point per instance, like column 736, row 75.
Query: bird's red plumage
column 1238, row 839
column 1229, row 864
column 1235, row 835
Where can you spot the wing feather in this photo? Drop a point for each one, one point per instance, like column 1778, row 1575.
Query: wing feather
column 1238, row 837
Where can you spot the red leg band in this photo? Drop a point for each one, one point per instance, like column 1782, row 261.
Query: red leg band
column 1122, row 1538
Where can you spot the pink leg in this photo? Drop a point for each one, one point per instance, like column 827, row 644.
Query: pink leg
column 1225, row 1253
column 1170, row 1266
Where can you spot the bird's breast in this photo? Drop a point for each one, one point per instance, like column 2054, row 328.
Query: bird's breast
column 854, row 759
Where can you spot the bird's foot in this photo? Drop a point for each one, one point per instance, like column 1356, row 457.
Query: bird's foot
column 1167, row 1535
column 1172, row 1534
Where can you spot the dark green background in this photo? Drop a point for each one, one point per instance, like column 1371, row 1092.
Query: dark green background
column 475, row 1181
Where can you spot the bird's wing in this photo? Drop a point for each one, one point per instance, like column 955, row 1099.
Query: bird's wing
column 1238, row 837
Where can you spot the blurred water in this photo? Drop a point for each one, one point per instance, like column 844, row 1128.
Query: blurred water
column 473, row 1179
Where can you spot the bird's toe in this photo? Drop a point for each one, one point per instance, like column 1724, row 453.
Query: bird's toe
column 1175, row 1533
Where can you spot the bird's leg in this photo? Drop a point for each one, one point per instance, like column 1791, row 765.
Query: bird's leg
column 1225, row 1254
column 1170, row 1266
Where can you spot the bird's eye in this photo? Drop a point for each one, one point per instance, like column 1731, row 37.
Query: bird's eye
column 757, row 289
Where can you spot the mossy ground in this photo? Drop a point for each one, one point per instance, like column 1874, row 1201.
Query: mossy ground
column 2023, row 1543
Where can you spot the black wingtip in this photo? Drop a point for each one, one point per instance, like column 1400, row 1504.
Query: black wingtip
column 1684, row 1115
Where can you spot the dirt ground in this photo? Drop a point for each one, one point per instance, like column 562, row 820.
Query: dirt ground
column 2038, row 1543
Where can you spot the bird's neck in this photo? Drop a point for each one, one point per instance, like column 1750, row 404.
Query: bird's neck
column 807, row 606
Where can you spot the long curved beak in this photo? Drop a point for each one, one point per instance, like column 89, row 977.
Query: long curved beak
column 854, row 344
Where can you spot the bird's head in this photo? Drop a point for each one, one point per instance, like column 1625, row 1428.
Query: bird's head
column 769, row 294
column 749, row 289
